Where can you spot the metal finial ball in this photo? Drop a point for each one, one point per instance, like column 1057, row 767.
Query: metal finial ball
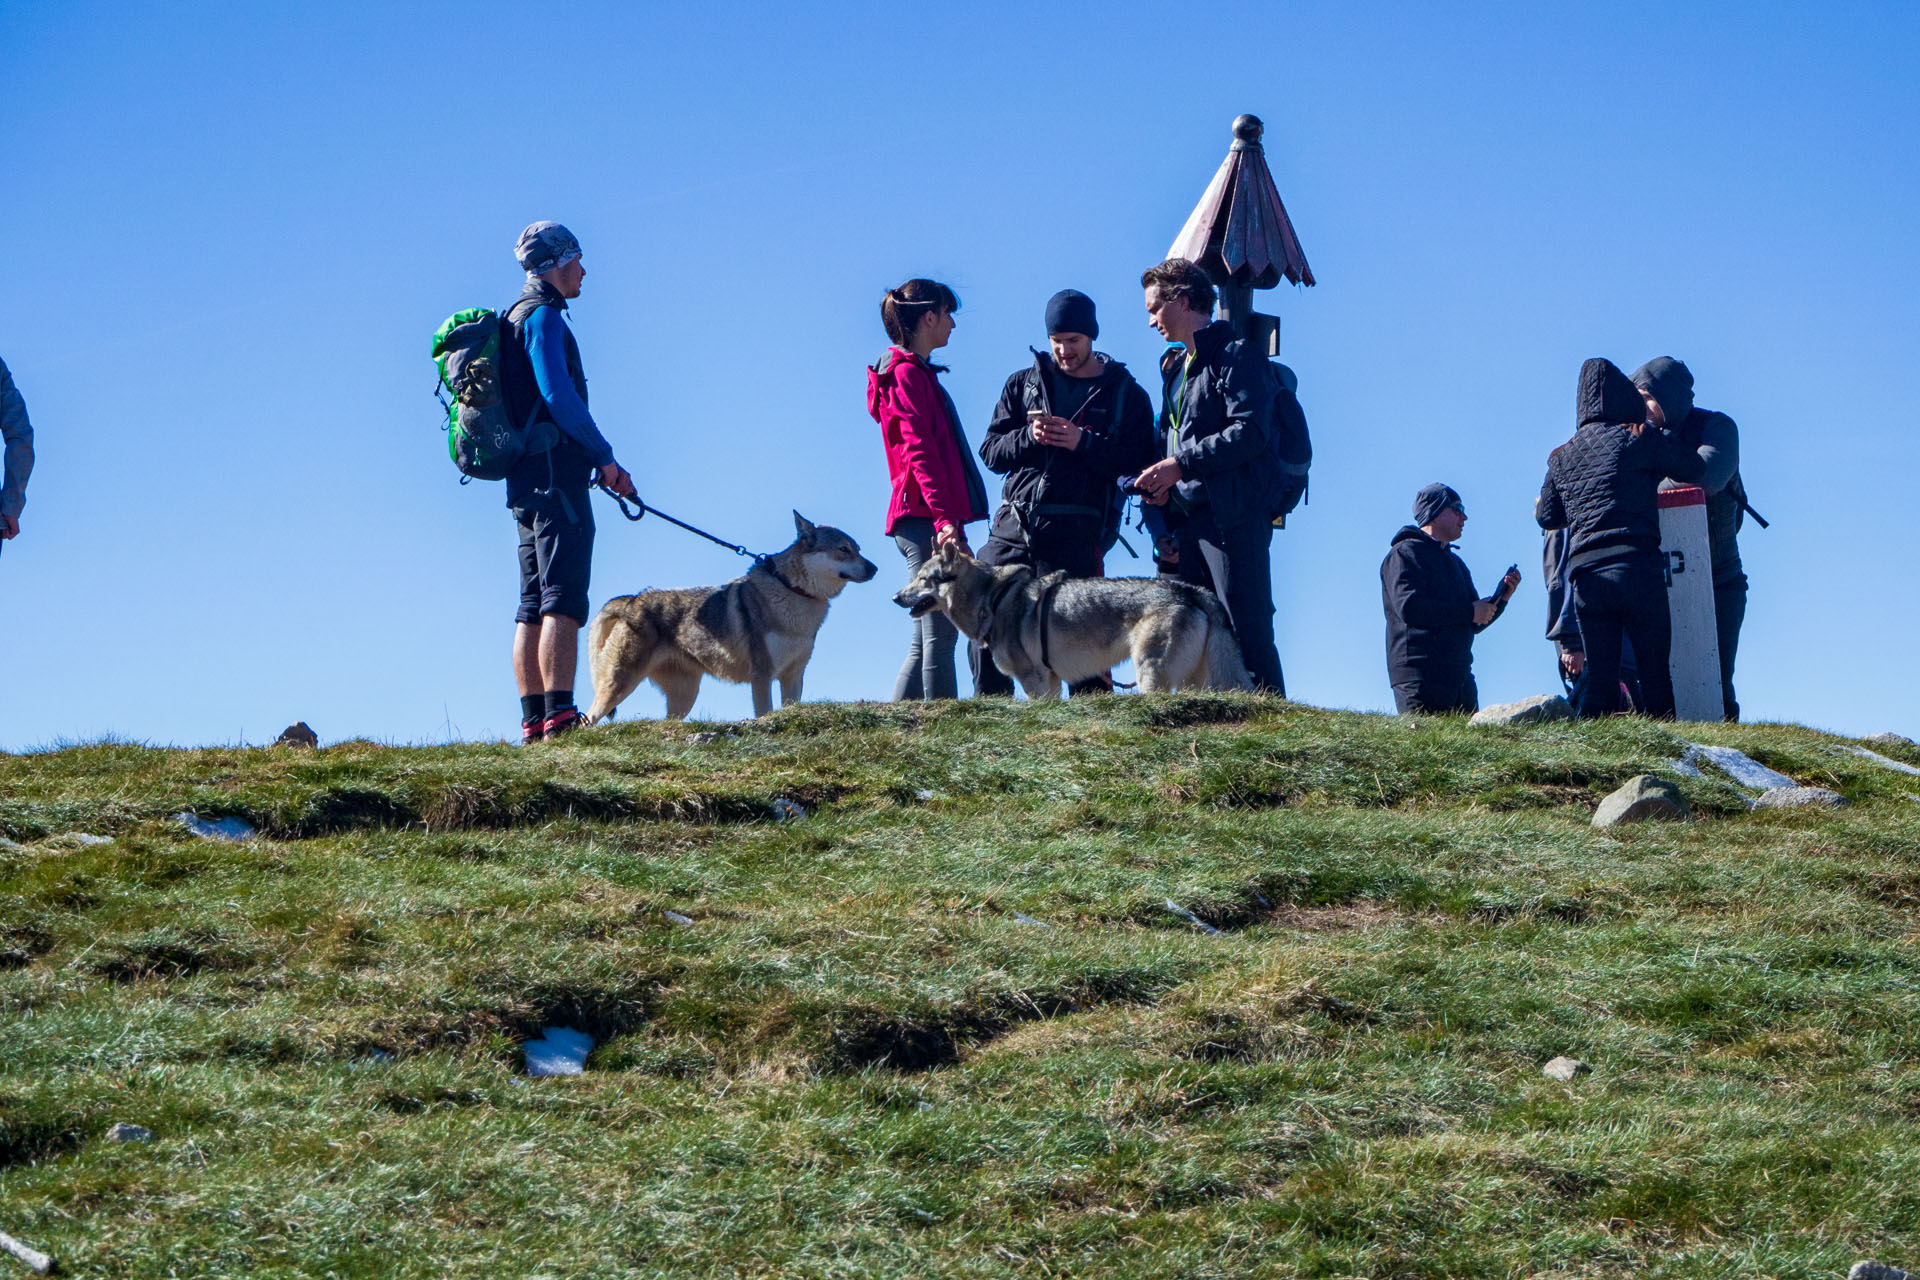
column 1248, row 128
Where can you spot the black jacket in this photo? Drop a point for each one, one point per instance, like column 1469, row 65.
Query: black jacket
column 1603, row 484
column 1223, row 446
column 1428, row 596
column 1051, row 485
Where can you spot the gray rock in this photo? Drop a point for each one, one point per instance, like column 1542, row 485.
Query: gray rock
column 785, row 809
column 1887, row 740
column 8, row 846
column 1565, row 1069
column 1538, row 709
column 1643, row 799
column 297, row 734
column 129, row 1133
column 701, row 739
column 1885, row 762
column 1799, row 798
column 83, row 839
column 1876, row 1271
column 1739, row 766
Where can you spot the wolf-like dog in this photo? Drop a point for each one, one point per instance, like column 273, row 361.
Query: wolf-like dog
column 754, row 630
column 1047, row 630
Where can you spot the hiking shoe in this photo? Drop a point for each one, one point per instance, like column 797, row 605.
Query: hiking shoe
column 560, row 723
column 532, row 731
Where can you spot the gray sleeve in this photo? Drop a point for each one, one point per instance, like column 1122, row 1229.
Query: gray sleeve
column 18, row 435
column 1720, row 451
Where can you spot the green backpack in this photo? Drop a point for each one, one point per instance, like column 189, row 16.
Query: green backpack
column 483, row 441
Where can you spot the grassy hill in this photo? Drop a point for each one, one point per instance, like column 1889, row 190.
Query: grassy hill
column 946, row 1023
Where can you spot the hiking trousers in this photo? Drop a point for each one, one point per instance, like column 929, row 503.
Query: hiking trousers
column 928, row 671
column 1729, row 613
column 1625, row 598
column 1235, row 564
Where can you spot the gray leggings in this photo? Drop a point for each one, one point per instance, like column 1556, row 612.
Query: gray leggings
column 928, row 671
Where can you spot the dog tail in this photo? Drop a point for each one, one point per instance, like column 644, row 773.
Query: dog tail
column 1226, row 669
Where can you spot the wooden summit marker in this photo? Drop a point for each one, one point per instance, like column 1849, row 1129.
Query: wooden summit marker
column 1241, row 235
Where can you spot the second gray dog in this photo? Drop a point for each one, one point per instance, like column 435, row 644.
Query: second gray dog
column 1047, row 630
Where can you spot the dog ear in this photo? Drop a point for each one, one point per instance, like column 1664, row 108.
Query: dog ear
column 949, row 553
column 802, row 525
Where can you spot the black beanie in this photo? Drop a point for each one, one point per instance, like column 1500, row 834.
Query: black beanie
column 1434, row 499
column 1071, row 311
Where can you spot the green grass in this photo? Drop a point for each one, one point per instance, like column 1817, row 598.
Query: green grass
column 859, row 1061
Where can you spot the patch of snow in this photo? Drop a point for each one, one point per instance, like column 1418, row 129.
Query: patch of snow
column 82, row 838
column 1020, row 917
column 677, row 918
column 229, row 829
column 1685, row 767
column 563, row 1052
column 1190, row 918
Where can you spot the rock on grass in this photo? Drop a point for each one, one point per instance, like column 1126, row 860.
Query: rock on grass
column 1539, row 708
column 1643, row 799
column 1800, row 798
column 1564, row 1069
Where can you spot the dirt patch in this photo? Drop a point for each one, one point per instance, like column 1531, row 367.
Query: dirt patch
column 1336, row 918
column 167, row 953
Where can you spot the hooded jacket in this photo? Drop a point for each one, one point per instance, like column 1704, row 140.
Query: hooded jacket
column 1429, row 597
column 1717, row 440
column 928, row 460
column 1602, row 485
column 1224, row 393
column 1116, row 440
column 17, row 434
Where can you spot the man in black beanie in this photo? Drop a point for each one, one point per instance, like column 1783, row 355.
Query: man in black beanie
column 1065, row 430
column 1433, row 612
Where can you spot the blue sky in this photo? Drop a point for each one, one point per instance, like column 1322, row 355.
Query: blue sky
column 231, row 235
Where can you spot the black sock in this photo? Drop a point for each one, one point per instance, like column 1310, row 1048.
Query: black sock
column 533, row 708
column 558, row 700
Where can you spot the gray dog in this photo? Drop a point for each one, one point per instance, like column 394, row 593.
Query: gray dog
column 1047, row 630
column 753, row 630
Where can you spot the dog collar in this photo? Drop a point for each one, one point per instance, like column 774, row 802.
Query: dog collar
column 781, row 578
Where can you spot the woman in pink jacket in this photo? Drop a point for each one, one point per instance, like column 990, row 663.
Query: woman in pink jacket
column 937, row 490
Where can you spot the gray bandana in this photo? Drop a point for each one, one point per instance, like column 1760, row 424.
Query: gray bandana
column 544, row 246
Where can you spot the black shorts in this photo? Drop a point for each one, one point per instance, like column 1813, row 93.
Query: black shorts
column 556, row 554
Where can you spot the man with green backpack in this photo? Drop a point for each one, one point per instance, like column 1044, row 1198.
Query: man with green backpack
column 520, row 415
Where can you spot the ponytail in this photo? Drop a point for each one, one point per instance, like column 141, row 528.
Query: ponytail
column 902, row 309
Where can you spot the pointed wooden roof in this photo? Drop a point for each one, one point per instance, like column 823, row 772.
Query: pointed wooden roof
column 1240, row 231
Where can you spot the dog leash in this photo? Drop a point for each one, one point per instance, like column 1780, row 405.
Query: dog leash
column 761, row 560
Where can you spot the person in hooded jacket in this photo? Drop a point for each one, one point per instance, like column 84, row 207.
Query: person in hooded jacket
column 1602, row 486
column 937, row 490
column 1066, row 428
column 1667, row 386
column 1433, row 612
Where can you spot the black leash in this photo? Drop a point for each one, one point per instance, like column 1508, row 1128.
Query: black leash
column 761, row 560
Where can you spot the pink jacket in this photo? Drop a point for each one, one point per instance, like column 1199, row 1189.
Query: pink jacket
column 924, row 457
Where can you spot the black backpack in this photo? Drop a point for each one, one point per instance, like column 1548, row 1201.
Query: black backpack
column 1292, row 445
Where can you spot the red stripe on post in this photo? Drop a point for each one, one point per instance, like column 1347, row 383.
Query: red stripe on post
column 1687, row 496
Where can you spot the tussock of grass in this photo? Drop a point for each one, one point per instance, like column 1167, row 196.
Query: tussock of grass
column 964, row 1034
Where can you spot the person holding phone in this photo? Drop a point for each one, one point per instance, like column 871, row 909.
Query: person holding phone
column 1064, row 431
column 1433, row 611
